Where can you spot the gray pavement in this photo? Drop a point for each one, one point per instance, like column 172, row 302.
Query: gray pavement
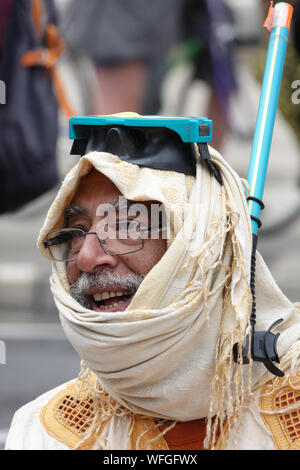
column 38, row 357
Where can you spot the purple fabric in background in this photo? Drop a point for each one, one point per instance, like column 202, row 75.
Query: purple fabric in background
column 5, row 12
column 222, row 63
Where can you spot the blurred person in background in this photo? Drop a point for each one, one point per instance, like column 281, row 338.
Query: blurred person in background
column 208, row 40
column 132, row 44
column 124, row 39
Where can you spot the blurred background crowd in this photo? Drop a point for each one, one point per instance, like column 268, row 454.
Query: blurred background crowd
column 60, row 58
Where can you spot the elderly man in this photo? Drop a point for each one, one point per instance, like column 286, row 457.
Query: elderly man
column 155, row 302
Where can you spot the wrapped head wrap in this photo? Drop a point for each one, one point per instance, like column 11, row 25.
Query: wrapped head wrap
column 169, row 354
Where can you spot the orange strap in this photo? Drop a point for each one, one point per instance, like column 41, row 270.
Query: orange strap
column 47, row 57
column 36, row 12
column 62, row 100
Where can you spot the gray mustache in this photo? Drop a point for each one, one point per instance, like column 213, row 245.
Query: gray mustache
column 86, row 281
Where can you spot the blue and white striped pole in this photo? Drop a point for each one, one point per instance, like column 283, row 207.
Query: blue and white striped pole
column 278, row 22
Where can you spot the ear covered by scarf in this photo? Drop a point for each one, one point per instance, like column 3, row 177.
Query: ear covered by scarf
column 169, row 355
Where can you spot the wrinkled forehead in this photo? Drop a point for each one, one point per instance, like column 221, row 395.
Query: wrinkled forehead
column 95, row 184
column 94, row 189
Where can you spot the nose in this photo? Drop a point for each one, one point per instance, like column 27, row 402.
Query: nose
column 92, row 258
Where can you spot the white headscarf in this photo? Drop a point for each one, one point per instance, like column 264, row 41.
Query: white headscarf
column 169, row 355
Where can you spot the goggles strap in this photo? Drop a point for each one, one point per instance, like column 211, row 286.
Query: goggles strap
column 205, row 155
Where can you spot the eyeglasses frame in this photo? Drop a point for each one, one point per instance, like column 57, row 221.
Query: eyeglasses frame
column 48, row 244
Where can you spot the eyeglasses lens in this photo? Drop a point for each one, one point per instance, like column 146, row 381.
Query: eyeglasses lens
column 120, row 237
column 117, row 238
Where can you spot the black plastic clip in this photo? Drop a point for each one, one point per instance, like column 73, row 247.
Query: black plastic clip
column 263, row 349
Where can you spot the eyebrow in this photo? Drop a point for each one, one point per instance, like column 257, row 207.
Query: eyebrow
column 73, row 211
column 76, row 210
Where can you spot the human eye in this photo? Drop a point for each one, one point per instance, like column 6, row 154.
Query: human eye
column 125, row 224
column 64, row 243
column 128, row 229
column 75, row 240
column 80, row 223
column 79, row 227
column 59, row 238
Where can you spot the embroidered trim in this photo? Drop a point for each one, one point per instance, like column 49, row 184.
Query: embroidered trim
column 76, row 414
column 280, row 409
column 68, row 416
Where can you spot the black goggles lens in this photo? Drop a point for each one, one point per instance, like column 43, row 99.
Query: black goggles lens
column 153, row 147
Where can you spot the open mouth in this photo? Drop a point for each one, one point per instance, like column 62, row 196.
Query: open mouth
column 110, row 301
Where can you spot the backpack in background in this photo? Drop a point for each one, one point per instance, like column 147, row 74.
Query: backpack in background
column 29, row 119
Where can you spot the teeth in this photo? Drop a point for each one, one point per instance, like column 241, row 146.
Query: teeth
column 107, row 295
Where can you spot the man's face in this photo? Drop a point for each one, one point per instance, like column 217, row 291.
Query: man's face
column 100, row 281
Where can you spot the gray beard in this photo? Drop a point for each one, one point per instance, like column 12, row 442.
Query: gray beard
column 130, row 282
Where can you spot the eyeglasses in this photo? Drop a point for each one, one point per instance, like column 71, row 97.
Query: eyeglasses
column 117, row 238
